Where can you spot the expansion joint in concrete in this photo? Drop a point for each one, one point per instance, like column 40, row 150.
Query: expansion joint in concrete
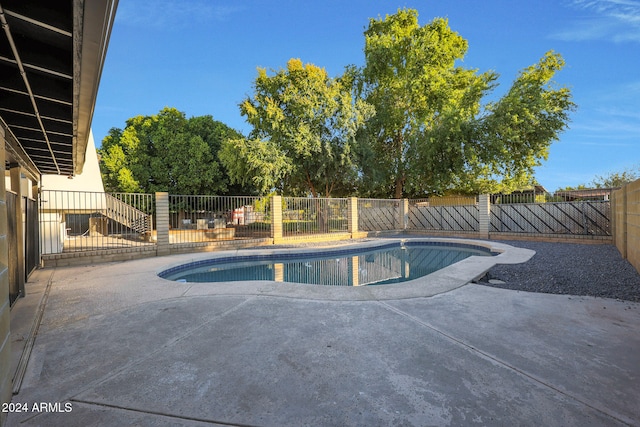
column 494, row 359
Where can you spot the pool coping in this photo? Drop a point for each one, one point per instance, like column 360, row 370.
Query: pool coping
column 444, row 280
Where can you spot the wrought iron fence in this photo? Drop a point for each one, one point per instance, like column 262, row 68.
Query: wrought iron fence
column 539, row 195
column 85, row 221
column 455, row 214
column 380, row 215
column 302, row 216
column 195, row 219
column 518, row 197
column 577, row 218
column 72, row 221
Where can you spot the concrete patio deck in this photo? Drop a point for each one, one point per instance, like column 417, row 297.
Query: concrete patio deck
column 117, row 345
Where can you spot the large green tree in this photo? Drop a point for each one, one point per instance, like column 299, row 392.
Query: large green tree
column 165, row 152
column 304, row 124
column 431, row 132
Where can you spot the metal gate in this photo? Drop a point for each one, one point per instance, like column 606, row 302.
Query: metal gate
column 32, row 237
column 21, row 265
column 16, row 276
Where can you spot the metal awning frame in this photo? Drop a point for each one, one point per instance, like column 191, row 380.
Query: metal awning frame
column 53, row 143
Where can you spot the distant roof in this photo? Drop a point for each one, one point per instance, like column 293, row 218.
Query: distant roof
column 534, row 189
column 540, row 189
column 587, row 192
column 51, row 58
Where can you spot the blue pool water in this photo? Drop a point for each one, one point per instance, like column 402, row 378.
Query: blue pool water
column 353, row 267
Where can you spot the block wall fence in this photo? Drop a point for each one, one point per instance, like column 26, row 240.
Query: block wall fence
column 400, row 223
column 349, row 218
column 625, row 207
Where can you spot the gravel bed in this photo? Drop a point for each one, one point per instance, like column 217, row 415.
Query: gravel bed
column 569, row 269
column 596, row 270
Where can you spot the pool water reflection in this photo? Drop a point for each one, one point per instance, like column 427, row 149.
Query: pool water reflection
column 365, row 267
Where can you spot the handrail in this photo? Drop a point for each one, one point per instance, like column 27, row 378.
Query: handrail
column 127, row 215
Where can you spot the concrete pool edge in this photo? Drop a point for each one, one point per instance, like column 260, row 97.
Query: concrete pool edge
column 444, row 280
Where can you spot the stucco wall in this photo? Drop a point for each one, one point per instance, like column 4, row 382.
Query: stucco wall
column 89, row 180
column 625, row 205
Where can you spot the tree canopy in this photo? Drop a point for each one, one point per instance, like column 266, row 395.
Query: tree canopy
column 304, row 127
column 166, row 152
column 617, row 178
column 431, row 132
column 411, row 122
column 611, row 180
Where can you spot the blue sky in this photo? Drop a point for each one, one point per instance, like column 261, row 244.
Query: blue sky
column 200, row 56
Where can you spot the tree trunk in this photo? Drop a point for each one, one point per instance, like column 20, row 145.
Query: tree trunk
column 398, row 142
column 322, row 215
column 399, row 187
column 311, row 186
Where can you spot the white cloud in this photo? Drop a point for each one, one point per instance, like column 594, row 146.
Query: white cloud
column 607, row 144
column 613, row 20
column 171, row 14
column 622, row 97
column 616, row 112
column 610, row 127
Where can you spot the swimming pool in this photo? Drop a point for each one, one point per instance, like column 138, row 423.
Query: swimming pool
column 390, row 263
